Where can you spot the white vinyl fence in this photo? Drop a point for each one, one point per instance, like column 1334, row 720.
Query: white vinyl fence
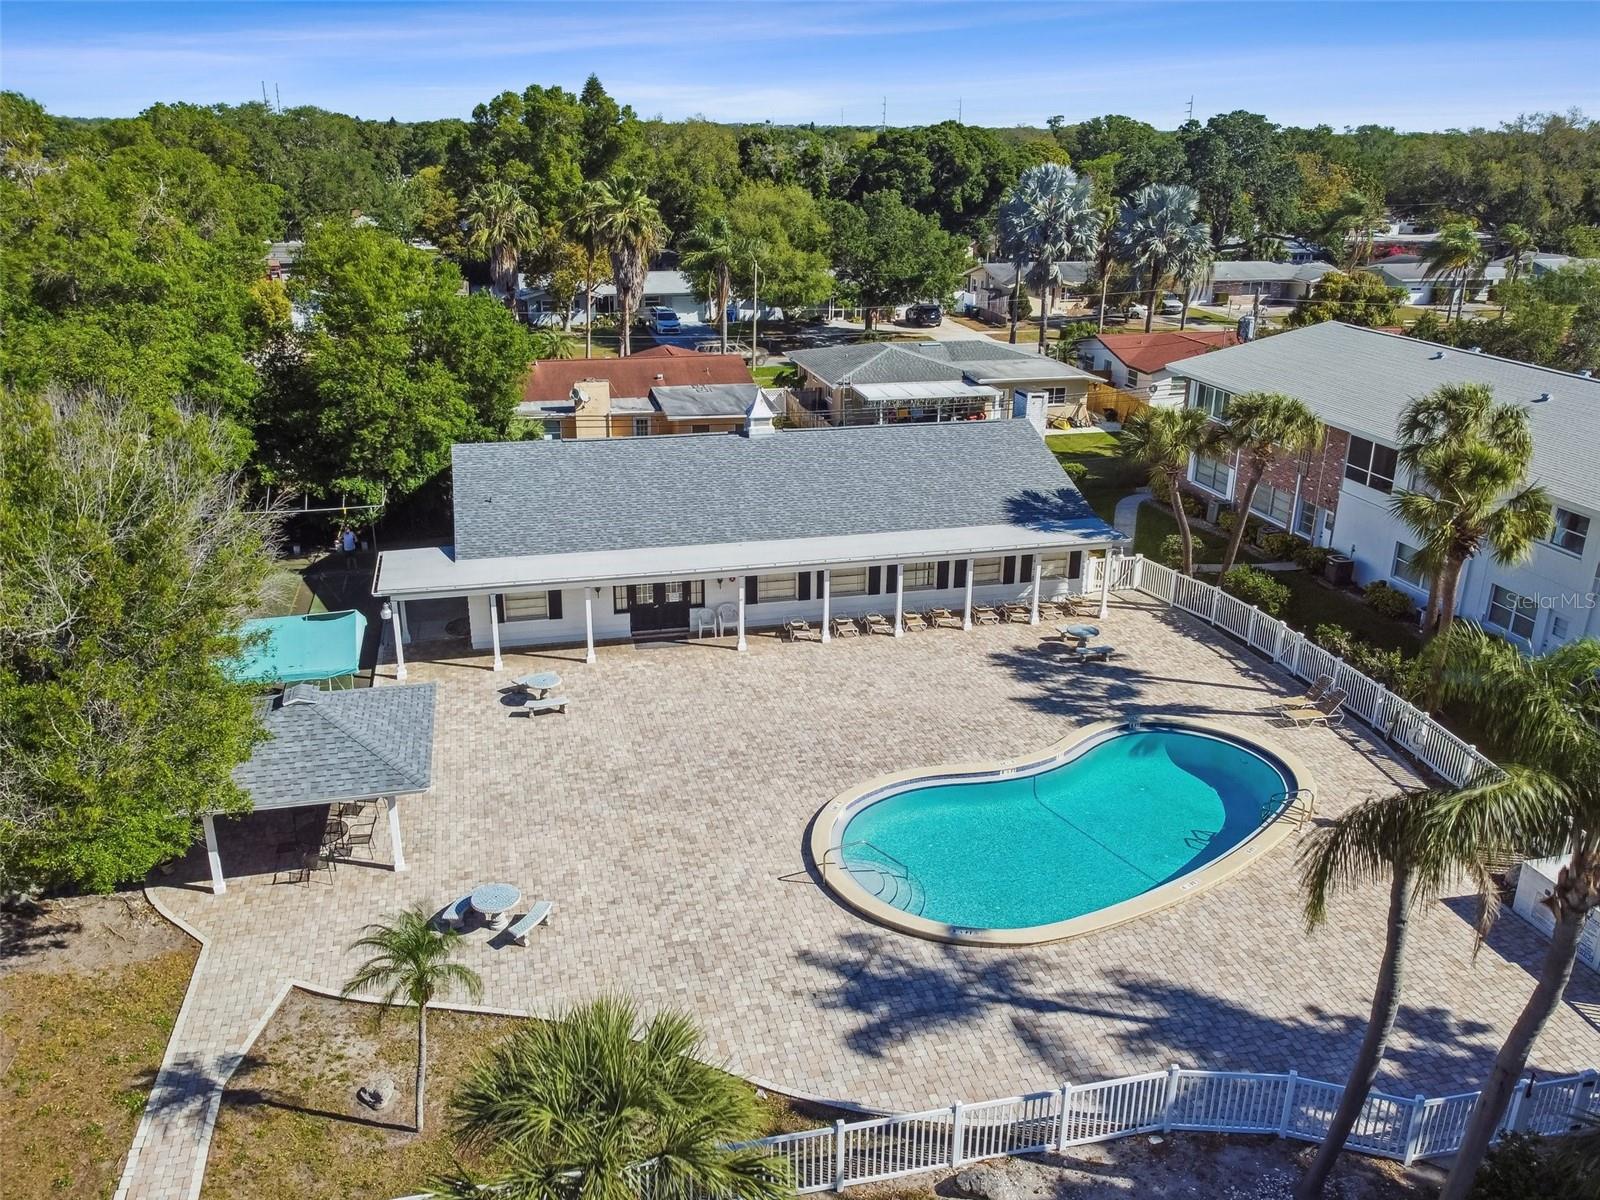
column 1401, row 723
column 854, row 1152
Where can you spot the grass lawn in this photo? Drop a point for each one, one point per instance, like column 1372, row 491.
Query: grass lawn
column 290, row 1125
column 80, row 1043
column 1110, row 475
column 1156, row 524
column 768, row 376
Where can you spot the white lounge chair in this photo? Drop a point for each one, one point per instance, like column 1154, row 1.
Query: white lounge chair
column 546, row 704
column 529, row 921
column 844, row 627
column 1328, row 711
column 877, row 623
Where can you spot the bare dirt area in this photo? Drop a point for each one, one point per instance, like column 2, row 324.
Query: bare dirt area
column 89, row 990
column 1191, row 1166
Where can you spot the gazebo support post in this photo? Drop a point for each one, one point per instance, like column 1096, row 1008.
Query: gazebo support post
column 743, row 584
column 1105, row 584
column 1038, row 575
column 396, row 852
column 494, row 630
column 827, row 597
column 399, row 654
column 588, row 625
column 212, row 856
column 899, row 599
column 966, row 611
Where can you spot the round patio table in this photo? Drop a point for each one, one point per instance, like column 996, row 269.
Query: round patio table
column 1082, row 632
column 540, row 682
column 495, row 901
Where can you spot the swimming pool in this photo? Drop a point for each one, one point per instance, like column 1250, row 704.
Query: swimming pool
column 1114, row 822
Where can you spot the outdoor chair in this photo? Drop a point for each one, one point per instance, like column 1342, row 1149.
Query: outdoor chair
column 845, row 627
column 800, row 630
column 360, row 834
column 943, row 618
column 1018, row 613
column 985, row 614
column 727, row 618
column 877, row 623
column 913, row 621
column 704, row 622
column 1328, row 711
column 537, row 915
column 1318, row 689
column 546, row 704
column 298, row 869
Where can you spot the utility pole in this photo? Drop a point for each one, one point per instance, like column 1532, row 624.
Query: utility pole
column 755, row 307
column 277, row 97
column 883, row 119
column 265, row 102
column 1191, row 107
column 958, row 110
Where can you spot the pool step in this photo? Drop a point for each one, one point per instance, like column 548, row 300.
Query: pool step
column 884, row 878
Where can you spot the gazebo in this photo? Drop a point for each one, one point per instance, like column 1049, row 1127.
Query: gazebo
column 337, row 747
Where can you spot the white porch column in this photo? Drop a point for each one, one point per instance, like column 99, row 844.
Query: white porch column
column 1105, row 584
column 1038, row 574
column 966, row 611
column 742, row 586
column 399, row 654
column 494, row 628
column 588, row 625
column 392, row 803
column 827, row 590
column 212, row 857
column 899, row 598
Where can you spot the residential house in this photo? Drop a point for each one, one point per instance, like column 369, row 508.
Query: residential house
column 662, row 289
column 1536, row 265
column 1358, row 381
column 881, row 383
column 576, row 542
column 1141, row 362
column 1248, row 278
column 1411, row 274
column 663, row 390
column 989, row 285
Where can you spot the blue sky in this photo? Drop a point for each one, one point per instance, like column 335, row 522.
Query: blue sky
column 1412, row 65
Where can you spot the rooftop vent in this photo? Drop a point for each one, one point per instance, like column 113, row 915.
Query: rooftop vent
column 1475, row 350
column 660, row 378
column 1586, row 373
column 1438, row 354
column 1541, row 397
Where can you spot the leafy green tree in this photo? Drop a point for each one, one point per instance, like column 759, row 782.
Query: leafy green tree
column 1161, row 440
column 587, row 227
column 393, row 367
column 608, row 132
column 1360, row 298
column 784, row 230
column 1552, row 320
column 1423, row 842
column 1244, row 176
column 599, row 1104
column 691, row 168
column 631, row 229
column 533, row 141
column 1263, row 426
column 1518, row 243
column 432, row 212
column 709, row 255
column 887, row 253
column 1050, row 215
column 1542, row 712
column 503, row 228
column 411, row 966
column 1123, row 153
column 1347, row 227
column 127, row 560
column 1469, row 458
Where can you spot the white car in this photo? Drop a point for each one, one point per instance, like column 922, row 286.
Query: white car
column 664, row 320
column 1172, row 306
column 1137, row 312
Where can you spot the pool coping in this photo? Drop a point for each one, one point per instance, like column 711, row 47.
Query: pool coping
column 1266, row 838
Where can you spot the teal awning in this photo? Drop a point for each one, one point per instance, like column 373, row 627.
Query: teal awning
column 299, row 649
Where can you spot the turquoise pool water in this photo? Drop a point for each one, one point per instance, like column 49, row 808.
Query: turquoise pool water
column 1126, row 815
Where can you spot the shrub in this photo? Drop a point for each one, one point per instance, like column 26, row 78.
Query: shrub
column 1225, row 520
column 1278, row 545
column 1256, row 587
column 1313, row 558
column 1076, row 471
column 1517, row 1168
column 1335, row 639
column 1389, row 601
column 1171, row 552
column 1402, row 675
column 1192, row 504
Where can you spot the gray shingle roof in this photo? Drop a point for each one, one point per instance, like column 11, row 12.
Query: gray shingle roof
column 1416, row 272
column 1260, row 271
column 1360, row 379
column 559, row 497
column 924, row 362
column 705, row 400
column 327, row 746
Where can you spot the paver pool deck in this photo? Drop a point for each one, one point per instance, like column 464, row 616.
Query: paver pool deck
column 666, row 813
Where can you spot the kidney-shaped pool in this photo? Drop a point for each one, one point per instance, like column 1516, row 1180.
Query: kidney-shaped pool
column 1120, row 821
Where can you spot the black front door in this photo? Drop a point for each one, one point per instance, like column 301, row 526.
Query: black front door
column 655, row 608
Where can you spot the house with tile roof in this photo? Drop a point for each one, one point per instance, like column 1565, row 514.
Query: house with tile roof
column 1141, row 362
column 887, row 383
column 574, row 542
column 1359, row 381
column 663, row 390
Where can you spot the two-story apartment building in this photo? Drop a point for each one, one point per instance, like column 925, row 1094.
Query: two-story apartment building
column 1358, row 381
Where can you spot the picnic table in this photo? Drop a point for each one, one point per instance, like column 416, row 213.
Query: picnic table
column 495, row 901
column 539, row 684
column 1081, row 632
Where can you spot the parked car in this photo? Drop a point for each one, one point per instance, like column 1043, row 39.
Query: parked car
column 1136, row 312
column 926, row 315
column 1171, row 306
column 664, row 320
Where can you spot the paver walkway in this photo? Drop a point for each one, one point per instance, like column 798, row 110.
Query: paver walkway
column 666, row 813
column 1126, row 516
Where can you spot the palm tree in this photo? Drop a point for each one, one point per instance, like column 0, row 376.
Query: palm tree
column 502, row 226
column 1108, row 249
column 1469, row 459
column 1192, row 258
column 632, row 231
column 1161, row 440
column 1263, row 426
column 1159, row 227
column 1423, row 841
column 1346, row 230
column 1518, row 243
column 553, row 343
column 569, row 1109
column 1050, row 214
column 411, row 964
column 1542, row 712
column 1456, row 252
column 709, row 251
column 587, row 228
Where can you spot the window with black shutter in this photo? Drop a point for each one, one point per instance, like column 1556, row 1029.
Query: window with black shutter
column 1010, row 575
column 750, row 589
column 961, row 573
column 942, row 580
column 874, row 581
column 554, row 602
column 1027, row 567
column 805, row 586
column 891, row 578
